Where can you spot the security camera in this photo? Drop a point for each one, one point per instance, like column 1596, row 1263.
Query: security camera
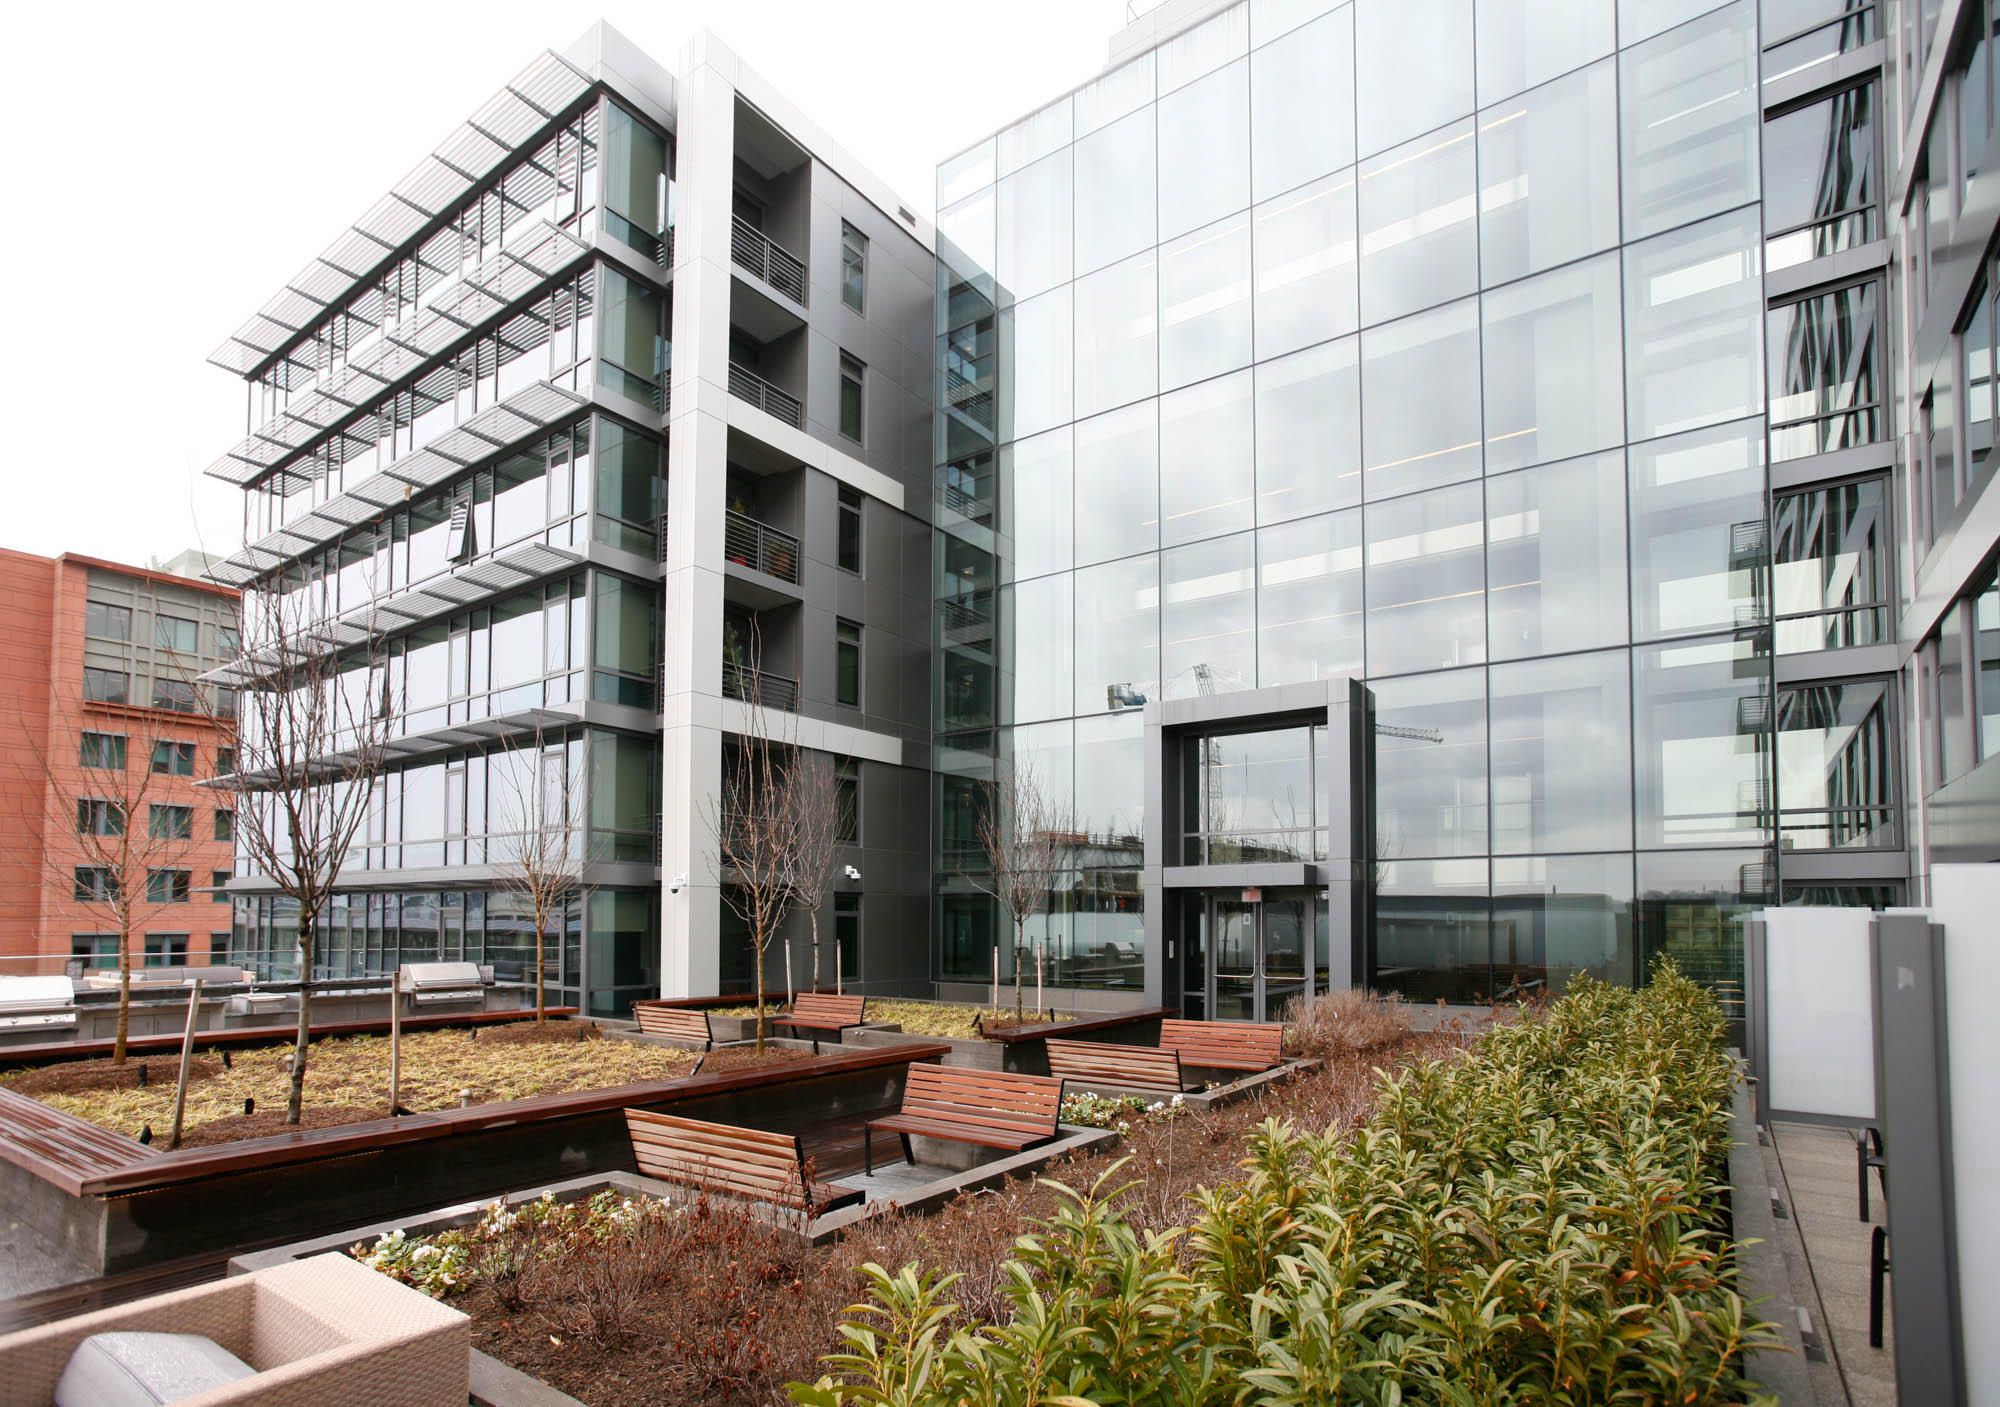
column 853, row 873
column 677, row 884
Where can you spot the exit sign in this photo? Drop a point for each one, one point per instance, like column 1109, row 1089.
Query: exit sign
column 1253, row 896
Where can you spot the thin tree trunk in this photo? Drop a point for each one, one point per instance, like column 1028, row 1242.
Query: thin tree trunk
column 1019, row 924
column 541, row 964
column 295, row 1099
column 757, row 937
column 124, row 995
column 812, row 916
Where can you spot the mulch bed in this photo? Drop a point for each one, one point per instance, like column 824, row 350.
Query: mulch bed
column 264, row 1122
column 85, row 1076
column 747, row 1058
column 537, row 1033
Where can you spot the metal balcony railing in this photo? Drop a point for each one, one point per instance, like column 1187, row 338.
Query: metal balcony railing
column 746, row 384
column 967, row 610
column 755, row 686
column 660, row 540
column 749, row 543
column 775, row 265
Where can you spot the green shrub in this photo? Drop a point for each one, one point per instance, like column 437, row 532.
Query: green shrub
column 1543, row 1221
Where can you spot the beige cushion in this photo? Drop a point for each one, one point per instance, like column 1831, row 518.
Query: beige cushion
column 127, row 1369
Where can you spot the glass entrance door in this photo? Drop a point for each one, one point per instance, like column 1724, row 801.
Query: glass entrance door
column 1257, row 955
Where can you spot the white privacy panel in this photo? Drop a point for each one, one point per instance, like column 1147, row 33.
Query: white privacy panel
column 1819, row 1013
column 1965, row 899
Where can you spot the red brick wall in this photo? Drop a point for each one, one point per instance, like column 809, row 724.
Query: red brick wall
column 27, row 587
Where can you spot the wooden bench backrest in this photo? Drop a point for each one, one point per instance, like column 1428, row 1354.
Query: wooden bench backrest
column 1114, row 1064
column 683, row 1023
column 824, row 1006
column 1260, row 1040
column 741, row 1162
column 1027, row 1104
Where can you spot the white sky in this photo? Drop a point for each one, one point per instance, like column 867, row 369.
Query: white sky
column 175, row 164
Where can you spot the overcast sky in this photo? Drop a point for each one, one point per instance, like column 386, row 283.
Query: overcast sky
column 178, row 163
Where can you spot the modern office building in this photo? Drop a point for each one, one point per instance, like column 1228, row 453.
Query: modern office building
column 1527, row 362
column 612, row 416
column 103, row 730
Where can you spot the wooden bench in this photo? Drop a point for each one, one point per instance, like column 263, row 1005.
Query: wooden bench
column 680, row 1022
column 1099, row 1062
column 747, row 1163
column 821, row 1011
column 1226, row 1045
column 983, row 1107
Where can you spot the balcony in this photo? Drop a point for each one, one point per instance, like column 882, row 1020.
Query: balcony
column 774, row 265
column 758, row 687
column 759, row 548
column 747, row 385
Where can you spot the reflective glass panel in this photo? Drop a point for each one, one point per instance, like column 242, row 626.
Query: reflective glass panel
column 1700, row 549
column 1826, row 381
column 1821, row 187
column 1637, row 19
column 1302, row 105
column 1830, row 567
column 1555, row 558
column 1117, row 635
column 1430, row 771
column 1554, row 378
column 1420, row 384
column 1035, row 504
column 1690, row 121
column 1205, row 150
column 1694, row 307
column 1525, row 42
column 1413, row 68
column 1036, row 622
column 1309, row 599
column 1426, row 581
column 1034, row 137
column 1208, row 617
column 1309, row 432
column 1034, row 233
column 1692, row 908
column 1702, row 725
column 1305, row 261
column 1114, row 191
column 1117, row 93
column 1836, row 767
column 1117, row 335
column 1548, row 173
column 1206, row 464
column 1432, row 931
column 1419, row 231
column 1111, row 786
column 1205, row 303
column 1118, row 483
column 1556, row 917
column 965, row 235
column 1035, row 390
column 1561, row 740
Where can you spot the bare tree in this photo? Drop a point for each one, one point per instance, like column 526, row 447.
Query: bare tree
column 130, row 860
column 1026, row 841
column 813, row 812
column 313, row 721
column 539, row 857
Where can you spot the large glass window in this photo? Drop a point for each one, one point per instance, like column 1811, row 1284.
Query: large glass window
column 1419, row 231
column 1420, row 384
column 106, row 685
column 1309, row 599
column 1111, row 789
column 1207, row 466
column 1309, row 432
column 1302, row 105
column 635, row 182
column 1205, row 150
column 1034, row 235
column 102, row 750
column 854, row 261
column 1822, row 190
column 1826, row 384
column 1249, row 798
column 1830, row 567
column 1700, row 740
column 106, row 621
column 1208, row 617
column 1205, row 303
column 1117, row 335
column 1413, row 68
column 1700, row 549
column 1115, row 180
column 628, row 641
column 1820, row 30
column 1036, row 495
column 1037, row 624
column 1524, row 42
column 1117, row 635
column 1426, row 579
column 1558, row 916
column 1555, row 558
column 1561, row 734
column 1118, row 483
column 1692, row 908
column 1836, row 767
column 1548, row 172
column 173, row 759
column 1430, row 765
column 176, row 633
column 1305, row 261
column 1554, row 382
column 1694, row 303
column 1690, row 121
column 634, row 336
column 1035, row 383
column 631, row 490
column 1433, row 930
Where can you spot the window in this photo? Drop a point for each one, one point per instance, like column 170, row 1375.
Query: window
column 847, row 936
column 1689, row 100
column 225, row 703
column 166, row 949
column 228, row 641
column 99, row 817
column 1825, row 384
column 1250, row 797
column 225, row 825
column 847, row 664
column 106, row 686
column 96, row 949
column 632, row 340
column 458, row 543
column 167, row 886
column 95, row 883
column 853, row 267
column 1830, row 567
column 852, row 374
column 173, row 759
column 1548, row 169
column 850, row 529
column 1836, row 767
column 171, row 823
column 175, row 694
column 217, row 879
column 225, row 761
column 176, row 633
column 102, row 750
column 107, row 622
column 1821, row 192
column 847, row 806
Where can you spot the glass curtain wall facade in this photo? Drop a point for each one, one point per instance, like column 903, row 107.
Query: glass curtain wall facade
column 1425, row 341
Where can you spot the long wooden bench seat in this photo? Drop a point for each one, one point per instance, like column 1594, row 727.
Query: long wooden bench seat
column 1226, row 1045
column 1099, row 1062
column 739, row 1162
column 822, row 1011
column 982, row 1107
column 680, row 1022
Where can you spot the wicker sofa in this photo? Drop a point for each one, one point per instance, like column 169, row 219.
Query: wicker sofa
column 322, row 1332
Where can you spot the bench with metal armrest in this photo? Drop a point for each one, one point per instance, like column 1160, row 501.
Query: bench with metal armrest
column 820, row 1012
column 680, row 1022
column 738, row 1162
column 1226, row 1045
column 983, row 1107
column 1099, row 1062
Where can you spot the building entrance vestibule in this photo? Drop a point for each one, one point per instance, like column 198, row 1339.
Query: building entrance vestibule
column 1251, row 959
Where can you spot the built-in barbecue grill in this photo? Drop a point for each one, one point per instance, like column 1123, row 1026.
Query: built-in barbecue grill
column 443, row 983
column 37, row 1004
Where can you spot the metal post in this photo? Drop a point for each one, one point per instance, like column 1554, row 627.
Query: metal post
column 395, row 1041
column 187, row 1053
